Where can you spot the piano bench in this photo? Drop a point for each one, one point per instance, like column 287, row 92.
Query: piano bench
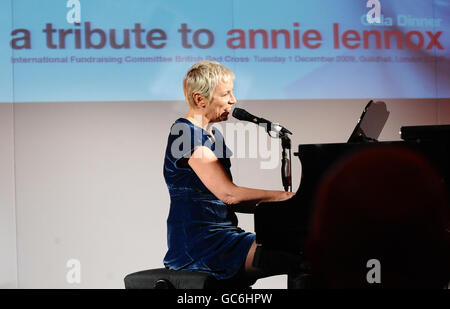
column 162, row 278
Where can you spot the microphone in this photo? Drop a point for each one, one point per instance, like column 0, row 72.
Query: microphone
column 242, row 114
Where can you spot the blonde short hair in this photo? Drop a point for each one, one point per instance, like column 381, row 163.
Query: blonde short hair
column 202, row 78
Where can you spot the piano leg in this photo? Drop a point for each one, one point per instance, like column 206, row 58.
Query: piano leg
column 276, row 262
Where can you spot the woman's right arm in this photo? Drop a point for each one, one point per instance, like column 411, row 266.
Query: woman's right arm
column 212, row 174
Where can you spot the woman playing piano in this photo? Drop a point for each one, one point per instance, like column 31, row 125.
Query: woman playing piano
column 202, row 226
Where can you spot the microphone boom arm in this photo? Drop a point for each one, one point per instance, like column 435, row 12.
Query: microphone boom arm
column 286, row 169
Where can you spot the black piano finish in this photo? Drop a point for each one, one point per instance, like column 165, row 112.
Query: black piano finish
column 284, row 225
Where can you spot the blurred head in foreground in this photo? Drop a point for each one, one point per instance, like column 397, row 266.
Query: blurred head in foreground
column 381, row 221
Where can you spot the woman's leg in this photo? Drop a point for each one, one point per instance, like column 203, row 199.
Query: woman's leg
column 249, row 268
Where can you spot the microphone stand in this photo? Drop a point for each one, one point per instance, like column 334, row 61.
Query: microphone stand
column 286, row 168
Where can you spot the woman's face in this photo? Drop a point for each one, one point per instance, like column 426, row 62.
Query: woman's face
column 222, row 100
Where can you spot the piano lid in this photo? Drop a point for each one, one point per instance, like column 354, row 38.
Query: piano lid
column 371, row 123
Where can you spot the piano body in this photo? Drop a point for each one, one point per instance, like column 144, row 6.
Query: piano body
column 284, row 225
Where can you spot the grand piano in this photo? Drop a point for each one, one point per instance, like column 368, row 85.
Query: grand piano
column 285, row 225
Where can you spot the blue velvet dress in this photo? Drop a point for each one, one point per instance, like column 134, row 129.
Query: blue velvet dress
column 202, row 232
